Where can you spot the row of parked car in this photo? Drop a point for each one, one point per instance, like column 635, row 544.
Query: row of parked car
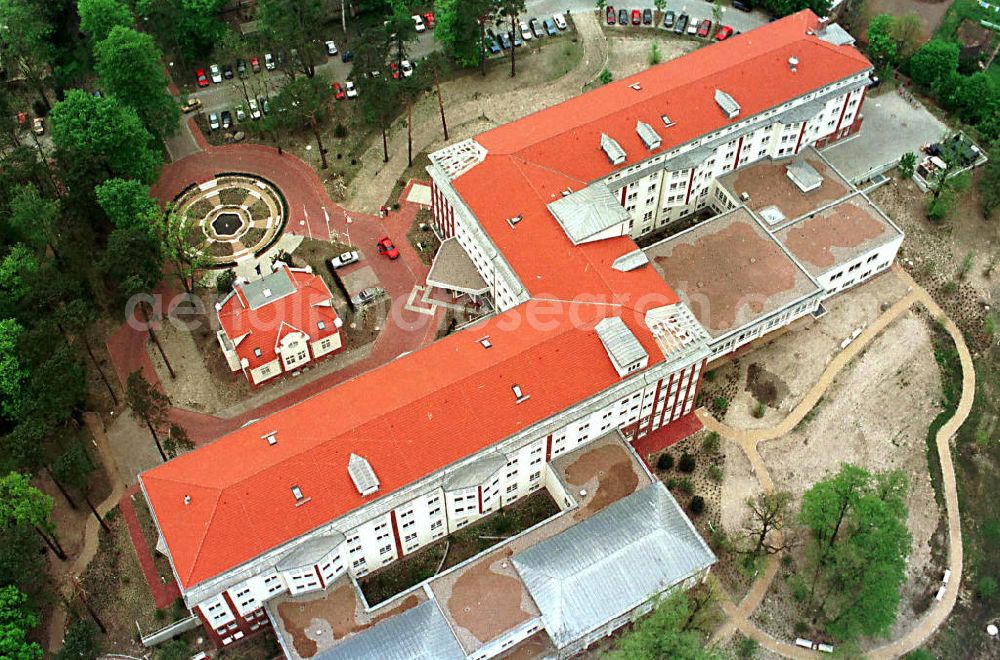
column 528, row 29
column 679, row 24
column 256, row 109
column 216, row 74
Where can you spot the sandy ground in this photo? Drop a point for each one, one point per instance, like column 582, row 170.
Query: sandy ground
column 791, row 363
column 739, row 484
column 630, row 54
column 888, row 397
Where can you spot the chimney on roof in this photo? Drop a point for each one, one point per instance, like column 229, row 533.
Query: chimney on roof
column 187, row 499
column 793, row 64
column 513, row 221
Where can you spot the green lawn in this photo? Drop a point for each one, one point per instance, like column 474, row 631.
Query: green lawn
column 959, row 11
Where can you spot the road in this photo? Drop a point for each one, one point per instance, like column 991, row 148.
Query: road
column 230, row 93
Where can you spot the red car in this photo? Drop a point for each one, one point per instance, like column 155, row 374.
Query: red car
column 202, row 78
column 636, row 17
column 255, row 64
column 704, row 28
column 338, row 91
column 386, row 247
column 429, row 19
column 724, row 33
column 611, row 15
column 394, row 70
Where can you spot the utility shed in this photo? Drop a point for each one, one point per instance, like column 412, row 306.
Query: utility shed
column 593, row 577
column 420, row 633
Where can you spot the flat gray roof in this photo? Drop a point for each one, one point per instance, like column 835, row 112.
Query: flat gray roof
column 268, row 288
column 610, row 563
column 619, row 342
column 588, row 211
column 453, row 269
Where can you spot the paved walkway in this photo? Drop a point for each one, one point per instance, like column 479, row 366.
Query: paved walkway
column 738, row 616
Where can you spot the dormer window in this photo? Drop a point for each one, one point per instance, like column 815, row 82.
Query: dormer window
column 321, row 325
column 300, row 499
column 485, row 342
column 272, row 438
column 257, row 352
column 519, row 394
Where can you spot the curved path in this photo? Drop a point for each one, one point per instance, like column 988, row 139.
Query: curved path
column 738, row 616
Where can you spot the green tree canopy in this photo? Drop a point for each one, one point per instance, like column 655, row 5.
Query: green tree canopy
column 298, row 24
column 129, row 64
column 104, row 133
column 782, row 8
column 98, row 17
column 27, row 45
column 33, row 217
column 933, row 62
column 458, row 28
column 16, row 265
column 16, row 621
column 80, row 641
column 133, row 260
column 128, row 204
column 882, row 46
column 23, row 504
column 187, row 28
column 989, row 184
column 12, row 373
column 664, row 634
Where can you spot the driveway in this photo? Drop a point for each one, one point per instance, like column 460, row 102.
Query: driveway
column 891, row 127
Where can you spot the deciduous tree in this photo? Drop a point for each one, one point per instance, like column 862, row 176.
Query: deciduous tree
column 105, row 135
column 12, row 373
column 989, row 184
column 460, row 29
column 23, row 504
column 27, row 43
column 295, row 24
column 147, row 404
column 16, row 622
column 130, row 67
column 768, row 512
column 304, row 103
column 98, row 17
column 934, row 61
column 664, row 634
column 34, row 217
column 882, row 47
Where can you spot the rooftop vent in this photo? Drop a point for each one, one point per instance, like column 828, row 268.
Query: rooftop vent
column 518, row 394
column 362, row 475
column 513, row 221
column 804, row 176
column 272, row 437
column 612, row 149
column 267, row 293
column 486, row 343
column 793, row 64
column 187, row 499
column 300, row 499
column 567, row 192
column 745, row 196
column 667, row 121
column 728, row 104
column 649, row 137
column 636, row 86
column 772, row 215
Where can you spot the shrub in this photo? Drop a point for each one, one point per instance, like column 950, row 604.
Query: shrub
column 986, row 587
column 907, row 163
column 605, row 77
column 939, row 208
column 665, row 461
column 715, row 473
column 709, row 376
column 746, row 648
column 224, row 281
column 685, row 485
column 339, row 131
column 711, row 443
column 801, row 628
column 786, row 560
column 759, row 410
column 697, row 505
column 721, row 404
column 687, row 463
column 654, row 54
column 950, row 287
column 966, row 266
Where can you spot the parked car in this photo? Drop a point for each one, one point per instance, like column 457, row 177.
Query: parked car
column 492, row 46
column 269, row 61
column 668, row 18
column 331, row 48
column 610, row 11
column 352, row 91
column 213, row 121
column 516, row 38
column 407, row 68
column 255, row 64
column 190, row 105
column 526, row 31
column 38, row 126
column 338, row 91
column 623, row 17
column 560, row 21
column 704, row 28
column 264, row 105
column 385, row 247
column 346, row 56
column 504, row 41
column 873, row 81
column 636, row 17
column 367, row 296
column 681, row 25
column 241, row 113
column 227, row 120
column 647, row 16
column 216, row 73
column 536, row 28
column 419, row 23
column 742, row 5
column 279, row 57
column 724, row 33
column 550, row 27
column 692, row 27
column 429, row 19
column 227, row 71
column 200, row 76
column 254, row 109
column 344, row 259
column 394, row 70
column 241, row 67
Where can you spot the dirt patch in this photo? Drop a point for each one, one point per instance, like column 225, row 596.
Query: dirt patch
column 486, row 601
column 630, row 54
column 930, row 13
column 766, row 388
column 875, row 415
column 612, row 467
column 336, row 609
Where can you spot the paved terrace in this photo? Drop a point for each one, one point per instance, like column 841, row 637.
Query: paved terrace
column 837, row 234
column 767, row 184
column 730, row 271
column 484, row 597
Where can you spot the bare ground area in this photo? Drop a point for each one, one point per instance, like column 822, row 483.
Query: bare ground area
column 875, row 415
column 630, row 54
column 930, row 13
column 778, row 372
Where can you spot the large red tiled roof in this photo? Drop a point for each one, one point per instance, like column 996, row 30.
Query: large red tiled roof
column 409, row 418
column 418, row 414
column 261, row 328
